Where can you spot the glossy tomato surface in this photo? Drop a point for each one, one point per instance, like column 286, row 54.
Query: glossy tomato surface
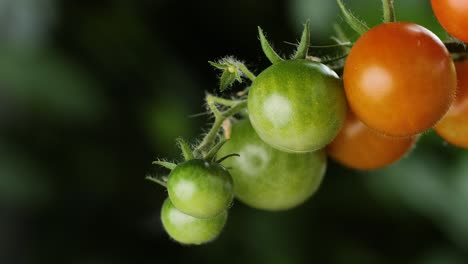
column 399, row 79
column 187, row 229
column 267, row 178
column 452, row 15
column 297, row 105
column 454, row 126
column 359, row 147
column 200, row 188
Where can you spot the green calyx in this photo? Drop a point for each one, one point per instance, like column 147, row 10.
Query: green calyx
column 302, row 47
column 232, row 70
column 187, row 152
column 356, row 24
column 267, row 49
column 361, row 27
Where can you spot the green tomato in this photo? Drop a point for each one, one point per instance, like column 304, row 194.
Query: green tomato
column 266, row 178
column 297, row 105
column 200, row 188
column 187, row 229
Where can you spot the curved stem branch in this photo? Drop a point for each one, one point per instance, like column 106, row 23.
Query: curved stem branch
column 222, row 101
column 210, row 137
column 211, row 104
column 247, row 72
column 156, row 180
column 328, row 60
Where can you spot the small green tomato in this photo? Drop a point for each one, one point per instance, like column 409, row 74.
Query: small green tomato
column 297, row 105
column 190, row 230
column 269, row 179
column 200, row 188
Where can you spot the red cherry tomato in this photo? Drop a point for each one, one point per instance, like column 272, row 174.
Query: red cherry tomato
column 453, row 16
column 454, row 126
column 359, row 147
column 399, row 79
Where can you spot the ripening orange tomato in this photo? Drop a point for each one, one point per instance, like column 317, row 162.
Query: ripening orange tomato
column 454, row 126
column 453, row 16
column 359, row 147
column 399, row 79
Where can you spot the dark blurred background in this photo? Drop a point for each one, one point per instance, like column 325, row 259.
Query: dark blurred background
column 92, row 91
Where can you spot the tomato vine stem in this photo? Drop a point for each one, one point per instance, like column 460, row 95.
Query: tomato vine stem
column 223, row 101
column 388, row 11
column 247, row 72
column 156, row 180
column 333, row 59
column 339, row 44
column 235, row 106
column 341, row 37
column 165, row 164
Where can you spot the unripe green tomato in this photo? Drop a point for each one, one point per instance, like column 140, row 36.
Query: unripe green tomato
column 187, row 229
column 200, row 188
column 297, row 105
column 267, row 178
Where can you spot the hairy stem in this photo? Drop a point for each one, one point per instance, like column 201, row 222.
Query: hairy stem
column 222, row 101
column 356, row 24
column 247, row 72
column 156, row 180
column 270, row 53
column 210, row 137
column 303, row 47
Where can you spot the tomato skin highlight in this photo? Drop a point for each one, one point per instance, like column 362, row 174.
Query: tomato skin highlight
column 399, row 79
column 359, row 147
column 297, row 105
column 189, row 230
column 201, row 189
column 454, row 126
column 452, row 15
column 267, row 178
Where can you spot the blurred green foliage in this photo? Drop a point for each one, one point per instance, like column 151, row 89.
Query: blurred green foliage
column 92, row 91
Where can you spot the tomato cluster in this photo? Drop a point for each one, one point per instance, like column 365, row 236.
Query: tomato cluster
column 399, row 80
column 200, row 192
